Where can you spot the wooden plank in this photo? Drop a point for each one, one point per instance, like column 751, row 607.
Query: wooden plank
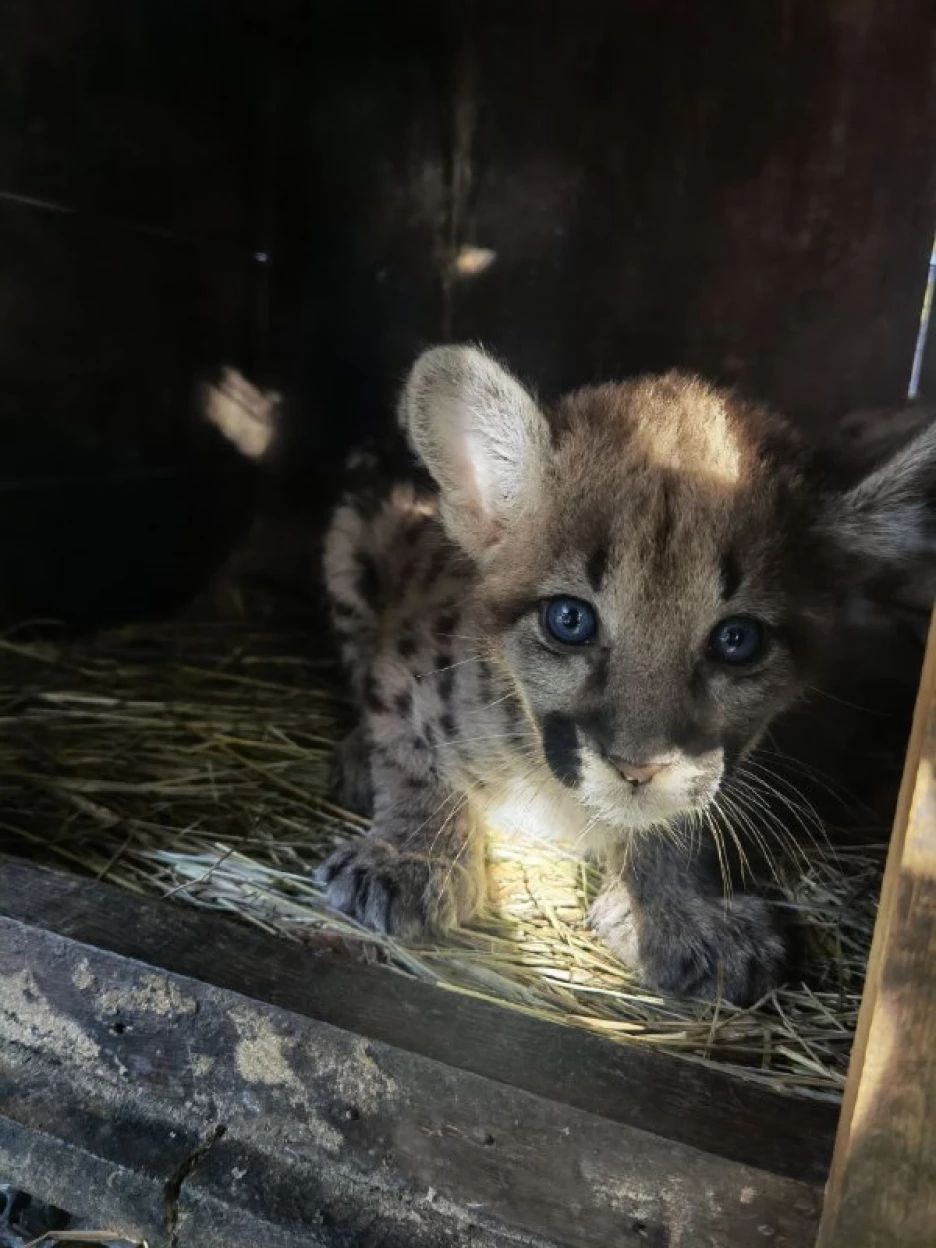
column 193, row 1115
column 672, row 1097
column 882, row 1186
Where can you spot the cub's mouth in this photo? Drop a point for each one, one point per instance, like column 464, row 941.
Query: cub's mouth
column 626, row 791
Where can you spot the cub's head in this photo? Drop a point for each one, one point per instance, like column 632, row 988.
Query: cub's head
column 659, row 568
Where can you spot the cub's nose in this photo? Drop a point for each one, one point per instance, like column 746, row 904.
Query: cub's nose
column 638, row 773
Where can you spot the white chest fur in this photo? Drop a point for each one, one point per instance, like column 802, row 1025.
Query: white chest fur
column 535, row 806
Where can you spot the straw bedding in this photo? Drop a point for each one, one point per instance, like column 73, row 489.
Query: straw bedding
column 191, row 760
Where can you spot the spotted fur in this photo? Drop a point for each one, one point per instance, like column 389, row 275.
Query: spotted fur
column 667, row 504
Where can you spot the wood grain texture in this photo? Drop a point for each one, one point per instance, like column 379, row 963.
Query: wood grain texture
column 744, row 189
column 672, row 1097
column 193, row 1115
column 882, row 1186
column 747, row 190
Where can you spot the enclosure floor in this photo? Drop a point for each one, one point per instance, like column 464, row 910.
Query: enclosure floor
column 191, row 761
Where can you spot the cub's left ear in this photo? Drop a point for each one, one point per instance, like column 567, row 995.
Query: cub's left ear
column 886, row 524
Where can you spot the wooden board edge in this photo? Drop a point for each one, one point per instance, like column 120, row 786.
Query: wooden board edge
column 681, row 1100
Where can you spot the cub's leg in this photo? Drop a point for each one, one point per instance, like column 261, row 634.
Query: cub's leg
column 663, row 910
column 421, row 868
column 352, row 780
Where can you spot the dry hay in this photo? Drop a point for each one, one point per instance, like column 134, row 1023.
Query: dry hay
column 191, row 760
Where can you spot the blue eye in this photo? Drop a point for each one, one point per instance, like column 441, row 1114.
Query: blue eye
column 569, row 621
column 739, row 639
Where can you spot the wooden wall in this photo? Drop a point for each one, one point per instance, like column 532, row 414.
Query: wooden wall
column 132, row 141
column 747, row 189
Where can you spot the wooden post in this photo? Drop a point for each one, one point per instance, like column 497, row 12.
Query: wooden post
column 882, row 1185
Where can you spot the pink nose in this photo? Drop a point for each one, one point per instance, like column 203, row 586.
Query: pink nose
column 638, row 773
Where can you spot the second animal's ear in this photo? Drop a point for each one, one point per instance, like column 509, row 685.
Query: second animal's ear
column 481, row 436
column 886, row 524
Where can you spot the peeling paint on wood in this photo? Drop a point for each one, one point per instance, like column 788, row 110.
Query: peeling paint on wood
column 202, row 1117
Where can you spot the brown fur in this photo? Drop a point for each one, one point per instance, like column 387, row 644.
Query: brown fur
column 666, row 504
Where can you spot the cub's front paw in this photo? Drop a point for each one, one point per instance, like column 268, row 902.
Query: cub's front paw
column 399, row 894
column 702, row 947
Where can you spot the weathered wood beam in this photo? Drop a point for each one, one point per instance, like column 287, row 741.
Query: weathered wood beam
column 682, row 1100
column 882, row 1187
column 191, row 1114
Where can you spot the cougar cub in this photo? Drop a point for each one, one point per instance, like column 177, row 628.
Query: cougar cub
column 578, row 628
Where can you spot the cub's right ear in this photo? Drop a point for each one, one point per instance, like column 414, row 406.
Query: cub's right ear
column 481, row 436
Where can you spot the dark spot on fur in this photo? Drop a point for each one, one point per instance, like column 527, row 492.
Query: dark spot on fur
column 731, row 575
column 474, row 778
column 384, row 892
column 517, row 726
column 404, row 702
column 368, row 502
column 368, row 580
column 665, row 523
column 430, row 736
column 344, row 610
column 359, row 883
column 447, row 724
column 414, row 530
column 445, row 625
column 337, row 863
column 442, row 668
column 485, row 679
column 372, row 699
column 561, row 747
column 596, row 567
column 406, row 647
column 435, row 567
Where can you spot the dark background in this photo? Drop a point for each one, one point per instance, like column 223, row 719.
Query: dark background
column 748, row 189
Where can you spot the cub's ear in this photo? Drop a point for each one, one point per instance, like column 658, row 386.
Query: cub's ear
column 886, row 524
column 481, row 436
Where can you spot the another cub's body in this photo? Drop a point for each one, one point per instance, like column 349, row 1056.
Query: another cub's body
column 550, row 637
column 405, row 606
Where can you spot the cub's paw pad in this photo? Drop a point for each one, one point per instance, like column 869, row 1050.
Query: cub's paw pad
column 705, row 948
column 351, row 773
column 399, row 894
